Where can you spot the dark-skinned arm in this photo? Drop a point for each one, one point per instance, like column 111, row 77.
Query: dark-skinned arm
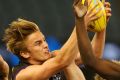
column 105, row 68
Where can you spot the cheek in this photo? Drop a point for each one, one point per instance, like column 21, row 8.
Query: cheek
column 37, row 49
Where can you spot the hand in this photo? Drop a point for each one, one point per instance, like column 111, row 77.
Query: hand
column 79, row 8
column 108, row 10
column 87, row 15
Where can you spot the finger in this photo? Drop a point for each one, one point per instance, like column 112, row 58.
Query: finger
column 75, row 2
column 96, row 12
column 86, row 3
column 89, row 2
column 74, row 5
column 79, row 4
column 93, row 8
column 108, row 10
column 80, row 13
column 107, row 4
column 76, row 9
column 108, row 17
column 103, row 1
column 108, row 14
column 95, row 17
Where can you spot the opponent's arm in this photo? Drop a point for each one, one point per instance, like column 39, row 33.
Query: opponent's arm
column 98, row 40
column 106, row 69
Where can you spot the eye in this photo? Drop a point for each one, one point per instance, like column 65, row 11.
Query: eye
column 38, row 43
column 44, row 40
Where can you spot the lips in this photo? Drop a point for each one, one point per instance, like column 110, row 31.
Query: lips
column 47, row 51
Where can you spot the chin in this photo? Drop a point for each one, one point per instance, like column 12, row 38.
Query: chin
column 45, row 59
column 49, row 56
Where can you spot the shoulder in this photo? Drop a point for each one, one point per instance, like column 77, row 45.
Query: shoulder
column 29, row 73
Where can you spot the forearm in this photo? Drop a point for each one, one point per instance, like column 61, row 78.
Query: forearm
column 84, row 43
column 69, row 49
column 105, row 68
column 108, row 70
column 78, row 60
column 73, row 72
column 98, row 43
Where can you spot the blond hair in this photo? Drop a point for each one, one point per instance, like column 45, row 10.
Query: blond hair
column 16, row 33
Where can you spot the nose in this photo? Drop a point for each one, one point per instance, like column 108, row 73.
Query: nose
column 45, row 45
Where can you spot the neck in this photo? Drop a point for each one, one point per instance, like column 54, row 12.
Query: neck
column 35, row 62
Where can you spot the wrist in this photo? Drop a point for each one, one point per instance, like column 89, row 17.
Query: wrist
column 79, row 21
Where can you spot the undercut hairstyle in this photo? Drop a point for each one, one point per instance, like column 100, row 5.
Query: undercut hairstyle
column 16, row 34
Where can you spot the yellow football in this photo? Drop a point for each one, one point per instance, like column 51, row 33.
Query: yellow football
column 99, row 24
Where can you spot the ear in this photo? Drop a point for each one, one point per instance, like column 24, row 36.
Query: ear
column 25, row 54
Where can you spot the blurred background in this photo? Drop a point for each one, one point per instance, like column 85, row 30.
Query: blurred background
column 56, row 20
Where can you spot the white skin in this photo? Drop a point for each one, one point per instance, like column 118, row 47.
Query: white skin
column 99, row 37
column 97, row 43
column 4, row 69
column 38, row 47
column 39, row 55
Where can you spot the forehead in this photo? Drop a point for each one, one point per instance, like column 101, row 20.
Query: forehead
column 35, row 36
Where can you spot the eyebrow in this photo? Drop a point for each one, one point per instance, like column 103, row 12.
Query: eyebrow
column 37, row 41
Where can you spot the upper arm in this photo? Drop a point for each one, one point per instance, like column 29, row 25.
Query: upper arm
column 40, row 72
column 4, row 68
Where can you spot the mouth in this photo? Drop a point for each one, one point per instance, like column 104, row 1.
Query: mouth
column 47, row 51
